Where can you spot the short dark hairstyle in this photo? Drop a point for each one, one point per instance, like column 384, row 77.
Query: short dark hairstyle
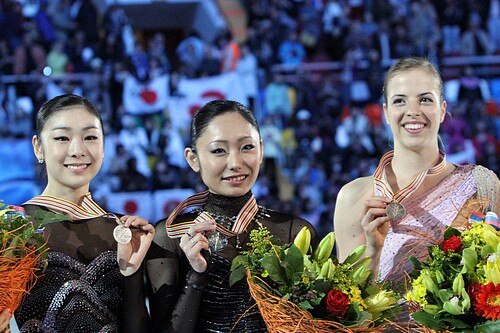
column 215, row 108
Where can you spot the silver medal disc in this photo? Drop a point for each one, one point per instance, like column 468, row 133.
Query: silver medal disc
column 122, row 234
column 395, row 211
column 217, row 241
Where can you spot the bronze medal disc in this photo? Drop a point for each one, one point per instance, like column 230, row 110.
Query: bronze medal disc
column 395, row 211
column 217, row 241
column 122, row 234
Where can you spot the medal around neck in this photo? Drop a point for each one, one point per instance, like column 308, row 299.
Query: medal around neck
column 217, row 241
column 395, row 211
column 122, row 234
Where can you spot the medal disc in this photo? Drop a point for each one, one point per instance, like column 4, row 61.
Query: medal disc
column 122, row 235
column 395, row 211
column 217, row 241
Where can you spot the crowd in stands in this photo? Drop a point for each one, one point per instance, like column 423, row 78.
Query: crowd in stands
column 320, row 129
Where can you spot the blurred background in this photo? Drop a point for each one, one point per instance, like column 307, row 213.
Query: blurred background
column 311, row 70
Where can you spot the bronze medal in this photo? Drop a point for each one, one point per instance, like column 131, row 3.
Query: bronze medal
column 122, row 234
column 395, row 211
column 217, row 241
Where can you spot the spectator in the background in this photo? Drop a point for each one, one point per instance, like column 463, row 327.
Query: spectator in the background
column 59, row 12
column 494, row 24
column 135, row 141
column 140, row 63
column 451, row 18
column 230, row 52
column 271, row 135
column 6, row 59
column 191, row 52
column 57, row 59
column 131, row 179
column 44, row 24
column 276, row 99
column 291, row 52
column 85, row 15
column 247, row 68
column 475, row 40
column 157, row 50
column 422, row 27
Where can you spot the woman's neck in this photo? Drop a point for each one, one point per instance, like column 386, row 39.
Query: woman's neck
column 406, row 164
column 75, row 196
column 228, row 206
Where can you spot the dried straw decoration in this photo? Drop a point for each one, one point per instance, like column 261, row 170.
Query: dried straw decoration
column 17, row 273
column 283, row 316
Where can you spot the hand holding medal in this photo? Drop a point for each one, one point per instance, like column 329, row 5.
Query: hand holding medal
column 134, row 236
column 195, row 241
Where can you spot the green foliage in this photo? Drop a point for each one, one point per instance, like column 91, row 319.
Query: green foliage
column 20, row 233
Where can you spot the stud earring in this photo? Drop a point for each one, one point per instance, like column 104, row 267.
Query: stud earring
column 40, row 160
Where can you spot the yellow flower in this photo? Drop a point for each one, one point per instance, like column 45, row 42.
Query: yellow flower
column 418, row 291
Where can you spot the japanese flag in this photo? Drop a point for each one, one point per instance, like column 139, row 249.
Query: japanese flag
column 131, row 203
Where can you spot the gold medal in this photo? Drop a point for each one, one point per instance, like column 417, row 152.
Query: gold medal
column 395, row 211
column 122, row 234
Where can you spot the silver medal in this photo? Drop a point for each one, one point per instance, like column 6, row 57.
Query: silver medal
column 122, row 234
column 217, row 241
column 395, row 211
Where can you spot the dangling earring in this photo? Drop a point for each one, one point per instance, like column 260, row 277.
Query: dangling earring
column 40, row 160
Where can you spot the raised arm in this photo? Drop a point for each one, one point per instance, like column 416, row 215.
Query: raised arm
column 176, row 288
column 360, row 218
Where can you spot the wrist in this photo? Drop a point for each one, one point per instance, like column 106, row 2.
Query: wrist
column 196, row 280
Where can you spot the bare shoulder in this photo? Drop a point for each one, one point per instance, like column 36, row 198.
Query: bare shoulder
column 350, row 202
column 356, row 189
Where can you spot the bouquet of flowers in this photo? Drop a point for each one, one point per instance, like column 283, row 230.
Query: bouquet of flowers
column 458, row 287
column 300, row 291
column 22, row 252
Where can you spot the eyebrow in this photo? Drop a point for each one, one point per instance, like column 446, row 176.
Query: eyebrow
column 240, row 139
column 65, row 128
column 403, row 95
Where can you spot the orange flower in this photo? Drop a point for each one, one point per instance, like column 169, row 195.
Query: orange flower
column 487, row 301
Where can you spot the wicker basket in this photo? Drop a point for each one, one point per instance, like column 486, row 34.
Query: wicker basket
column 17, row 276
column 282, row 316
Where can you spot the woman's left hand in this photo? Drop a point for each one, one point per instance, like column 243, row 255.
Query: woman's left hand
column 131, row 255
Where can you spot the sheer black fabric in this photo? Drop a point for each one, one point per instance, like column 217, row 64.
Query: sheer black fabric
column 82, row 289
column 185, row 301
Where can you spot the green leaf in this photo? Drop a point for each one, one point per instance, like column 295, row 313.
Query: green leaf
column 293, row 262
column 455, row 323
column 488, row 327
column 305, row 305
column 322, row 286
column 272, row 265
column 417, row 264
column 238, row 261
column 451, row 232
column 41, row 218
column 237, row 275
column 428, row 320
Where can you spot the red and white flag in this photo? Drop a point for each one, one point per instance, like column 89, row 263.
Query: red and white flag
column 131, row 203
column 165, row 201
column 143, row 98
column 197, row 92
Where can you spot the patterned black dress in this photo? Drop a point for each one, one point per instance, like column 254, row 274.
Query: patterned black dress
column 183, row 300
column 82, row 289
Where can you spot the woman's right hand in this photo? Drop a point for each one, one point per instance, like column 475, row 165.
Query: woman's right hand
column 375, row 222
column 196, row 240
column 4, row 321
